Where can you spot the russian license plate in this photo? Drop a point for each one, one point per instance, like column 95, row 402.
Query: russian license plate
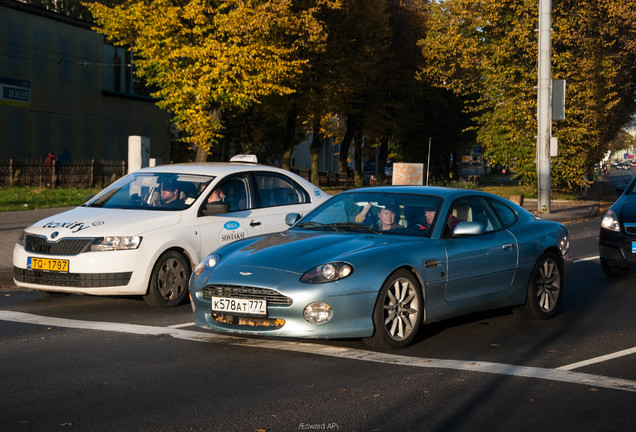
column 239, row 306
column 47, row 264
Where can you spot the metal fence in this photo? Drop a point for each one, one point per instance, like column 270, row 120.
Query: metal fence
column 81, row 173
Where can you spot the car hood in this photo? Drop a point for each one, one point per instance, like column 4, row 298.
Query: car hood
column 97, row 222
column 296, row 251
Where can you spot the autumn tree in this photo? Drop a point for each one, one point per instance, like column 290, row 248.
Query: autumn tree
column 486, row 52
column 207, row 57
column 594, row 46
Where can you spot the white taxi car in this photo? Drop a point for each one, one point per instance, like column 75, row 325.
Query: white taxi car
column 143, row 234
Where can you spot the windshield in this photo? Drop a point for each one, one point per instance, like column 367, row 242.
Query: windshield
column 375, row 212
column 152, row 191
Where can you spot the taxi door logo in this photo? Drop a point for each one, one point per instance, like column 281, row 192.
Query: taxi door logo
column 231, row 231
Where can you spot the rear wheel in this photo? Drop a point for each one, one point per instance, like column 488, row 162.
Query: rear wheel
column 613, row 270
column 398, row 312
column 545, row 289
column 169, row 280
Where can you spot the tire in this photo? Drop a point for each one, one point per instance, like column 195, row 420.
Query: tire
column 169, row 280
column 545, row 289
column 613, row 271
column 398, row 312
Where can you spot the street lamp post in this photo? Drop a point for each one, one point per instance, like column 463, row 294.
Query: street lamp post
column 543, row 107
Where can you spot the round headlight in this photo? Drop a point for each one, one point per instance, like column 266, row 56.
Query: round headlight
column 329, row 271
column 317, row 313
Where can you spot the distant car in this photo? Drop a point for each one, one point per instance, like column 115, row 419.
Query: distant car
column 617, row 237
column 336, row 274
column 143, row 234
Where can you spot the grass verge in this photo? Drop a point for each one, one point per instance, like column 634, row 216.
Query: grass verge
column 31, row 198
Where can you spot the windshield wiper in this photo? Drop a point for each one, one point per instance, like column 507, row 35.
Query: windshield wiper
column 354, row 227
column 312, row 224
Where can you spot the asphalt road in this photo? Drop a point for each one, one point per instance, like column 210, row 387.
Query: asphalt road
column 82, row 363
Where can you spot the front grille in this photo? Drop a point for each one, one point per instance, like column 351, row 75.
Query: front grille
column 71, row 246
column 630, row 228
column 231, row 291
column 80, row 280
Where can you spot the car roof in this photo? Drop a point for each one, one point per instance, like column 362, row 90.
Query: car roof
column 211, row 168
column 444, row 192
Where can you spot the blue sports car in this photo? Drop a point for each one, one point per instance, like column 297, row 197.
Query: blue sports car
column 377, row 263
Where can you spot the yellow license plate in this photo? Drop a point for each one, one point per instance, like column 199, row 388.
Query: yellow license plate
column 47, row 264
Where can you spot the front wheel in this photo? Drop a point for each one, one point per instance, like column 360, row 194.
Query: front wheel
column 169, row 280
column 398, row 312
column 545, row 289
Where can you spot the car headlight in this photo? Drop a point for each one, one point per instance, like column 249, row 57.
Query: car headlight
column 318, row 313
column 209, row 262
column 21, row 238
column 327, row 273
column 111, row 243
column 610, row 221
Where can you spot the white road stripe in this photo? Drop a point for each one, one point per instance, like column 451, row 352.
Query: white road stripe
column 188, row 324
column 590, row 258
column 600, row 359
column 332, row 351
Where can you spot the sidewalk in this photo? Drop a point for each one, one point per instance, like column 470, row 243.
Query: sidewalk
column 599, row 198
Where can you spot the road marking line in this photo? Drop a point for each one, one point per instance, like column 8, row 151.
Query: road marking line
column 600, row 359
column 590, row 258
column 331, row 351
column 188, row 324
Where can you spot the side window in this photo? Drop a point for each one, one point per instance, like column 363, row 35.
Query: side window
column 471, row 209
column 505, row 214
column 233, row 191
column 276, row 190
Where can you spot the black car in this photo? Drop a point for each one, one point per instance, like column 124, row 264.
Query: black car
column 617, row 239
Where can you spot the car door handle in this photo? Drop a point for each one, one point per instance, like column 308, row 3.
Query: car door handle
column 507, row 246
column 255, row 223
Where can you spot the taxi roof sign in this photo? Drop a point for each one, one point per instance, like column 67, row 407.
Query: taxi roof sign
column 244, row 158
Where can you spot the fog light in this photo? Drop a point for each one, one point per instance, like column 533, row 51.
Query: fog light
column 318, row 313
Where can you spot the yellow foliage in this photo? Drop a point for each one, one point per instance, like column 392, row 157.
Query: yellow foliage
column 206, row 57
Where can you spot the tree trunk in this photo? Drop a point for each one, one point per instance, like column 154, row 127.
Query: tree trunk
column 314, row 150
column 352, row 119
column 383, row 155
column 357, row 147
column 202, row 155
column 290, row 134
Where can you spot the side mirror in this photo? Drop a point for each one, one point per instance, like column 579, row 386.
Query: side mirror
column 621, row 188
column 292, row 218
column 468, row 229
column 216, row 208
